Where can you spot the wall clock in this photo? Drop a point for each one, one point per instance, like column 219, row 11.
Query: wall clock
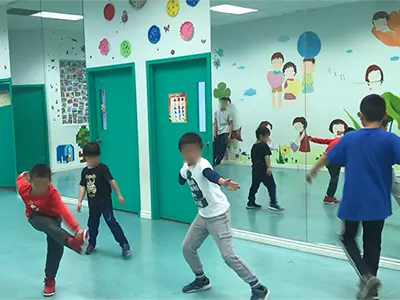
column 138, row 4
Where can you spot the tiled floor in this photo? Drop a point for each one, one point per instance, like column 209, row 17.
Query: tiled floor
column 157, row 270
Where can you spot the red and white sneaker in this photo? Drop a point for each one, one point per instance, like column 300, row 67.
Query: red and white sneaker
column 79, row 242
column 331, row 200
column 49, row 287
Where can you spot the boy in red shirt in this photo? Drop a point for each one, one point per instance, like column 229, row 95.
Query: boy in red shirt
column 46, row 211
column 334, row 171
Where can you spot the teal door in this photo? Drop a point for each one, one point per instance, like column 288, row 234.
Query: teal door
column 191, row 77
column 30, row 126
column 8, row 172
column 113, row 123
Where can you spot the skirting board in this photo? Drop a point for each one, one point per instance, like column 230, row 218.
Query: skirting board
column 319, row 249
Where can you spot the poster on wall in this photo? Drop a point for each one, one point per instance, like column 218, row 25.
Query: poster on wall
column 74, row 103
column 65, row 154
column 177, row 108
column 4, row 98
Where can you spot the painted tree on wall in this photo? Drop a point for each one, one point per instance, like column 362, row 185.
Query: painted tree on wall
column 82, row 137
column 222, row 91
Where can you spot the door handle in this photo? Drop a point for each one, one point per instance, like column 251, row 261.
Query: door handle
column 207, row 144
column 99, row 140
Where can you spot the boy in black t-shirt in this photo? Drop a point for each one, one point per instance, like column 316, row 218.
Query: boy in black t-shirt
column 97, row 181
column 262, row 173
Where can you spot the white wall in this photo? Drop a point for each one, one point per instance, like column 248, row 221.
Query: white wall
column 348, row 48
column 4, row 52
column 41, row 66
column 135, row 31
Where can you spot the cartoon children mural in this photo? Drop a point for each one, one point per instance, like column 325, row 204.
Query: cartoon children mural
column 270, row 142
column 302, row 143
column 275, row 78
column 308, row 68
column 374, row 77
column 292, row 84
column 387, row 27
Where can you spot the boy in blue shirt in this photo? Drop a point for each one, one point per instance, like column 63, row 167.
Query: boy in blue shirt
column 368, row 155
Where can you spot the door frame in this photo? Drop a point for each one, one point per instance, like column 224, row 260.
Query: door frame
column 9, row 81
column 46, row 124
column 92, row 113
column 150, row 65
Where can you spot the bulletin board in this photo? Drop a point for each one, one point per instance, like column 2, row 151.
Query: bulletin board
column 74, row 102
column 177, row 108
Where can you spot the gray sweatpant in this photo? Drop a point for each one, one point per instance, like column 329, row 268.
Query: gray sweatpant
column 220, row 229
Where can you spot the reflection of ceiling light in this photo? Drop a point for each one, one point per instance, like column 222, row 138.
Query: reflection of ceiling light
column 232, row 9
column 58, row 16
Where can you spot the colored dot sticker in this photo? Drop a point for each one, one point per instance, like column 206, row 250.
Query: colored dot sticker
column 154, row 34
column 109, row 12
column 192, row 3
column 172, row 8
column 187, row 31
column 125, row 49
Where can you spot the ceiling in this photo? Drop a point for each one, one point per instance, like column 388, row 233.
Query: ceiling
column 267, row 8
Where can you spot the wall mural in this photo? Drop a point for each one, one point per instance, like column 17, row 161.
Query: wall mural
column 292, row 87
column 82, row 137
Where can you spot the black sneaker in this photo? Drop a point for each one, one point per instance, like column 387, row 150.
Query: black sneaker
column 369, row 288
column 197, row 285
column 275, row 207
column 259, row 293
column 126, row 250
column 253, row 205
column 90, row 249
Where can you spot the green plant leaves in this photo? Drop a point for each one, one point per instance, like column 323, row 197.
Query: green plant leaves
column 355, row 123
column 392, row 107
column 222, row 91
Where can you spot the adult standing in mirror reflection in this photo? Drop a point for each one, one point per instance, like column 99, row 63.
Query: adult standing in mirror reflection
column 223, row 126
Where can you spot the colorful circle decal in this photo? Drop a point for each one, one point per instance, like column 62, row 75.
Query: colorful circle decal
column 104, row 46
column 172, row 8
column 125, row 49
column 187, row 31
column 154, row 34
column 192, row 3
column 138, row 4
column 124, row 17
column 109, row 12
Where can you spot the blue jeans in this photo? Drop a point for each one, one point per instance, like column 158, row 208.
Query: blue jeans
column 108, row 215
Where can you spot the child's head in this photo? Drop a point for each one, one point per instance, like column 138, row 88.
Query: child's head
column 266, row 124
column 262, row 134
column 224, row 102
column 91, row 153
column 374, row 76
column 190, row 146
column 300, row 124
column 337, row 127
column 308, row 65
column 277, row 61
column 289, row 70
column 384, row 124
column 372, row 110
column 348, row 129
column 380, row 20
column 40, row 178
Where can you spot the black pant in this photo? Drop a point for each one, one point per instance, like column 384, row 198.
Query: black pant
column 372, row 238
column 56, row 240
column 219, row 148
column 334, row 171
column 260, row 176
column 105, row 209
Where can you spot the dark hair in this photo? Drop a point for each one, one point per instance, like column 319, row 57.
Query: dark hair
column 337, row 122
column 380, row 15
column 372, row 68
column 262, row 131
column 265, row 124
column 385, row 122
column 301, row 120
column 225, row 99
column 348, row 129
column 40, row 171
column 277, row 55
column 190, row 138
column 312, row 60
column 91, row 149
column 290, row 65
column 373, row 107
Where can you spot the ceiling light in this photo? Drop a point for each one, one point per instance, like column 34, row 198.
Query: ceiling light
column 232, row 9
column 58, row 16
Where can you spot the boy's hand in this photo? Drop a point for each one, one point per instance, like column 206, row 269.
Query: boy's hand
column 310, row 175
column 24, row 174
column 79, row 206
column 231, row 185
column 229, row 137
column 121, row 199
column 269, row 171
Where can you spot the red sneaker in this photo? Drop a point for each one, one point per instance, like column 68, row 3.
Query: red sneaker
column 78, row 243
column 331, row 200
column 49, row 287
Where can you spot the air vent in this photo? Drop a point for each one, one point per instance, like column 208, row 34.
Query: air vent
column 22, row 11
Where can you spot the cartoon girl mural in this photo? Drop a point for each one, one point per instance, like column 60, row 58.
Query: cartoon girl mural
column 292, row 84
column 387, row 27
column 374, row 77
column 275, row 77
column 302, row 143
column 270, row 142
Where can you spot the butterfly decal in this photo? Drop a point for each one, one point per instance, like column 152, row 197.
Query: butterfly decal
column 166, row 28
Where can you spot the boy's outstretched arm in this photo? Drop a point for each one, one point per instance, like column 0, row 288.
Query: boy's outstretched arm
column 65, row 213
column 323, row 161
column 214, row 177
